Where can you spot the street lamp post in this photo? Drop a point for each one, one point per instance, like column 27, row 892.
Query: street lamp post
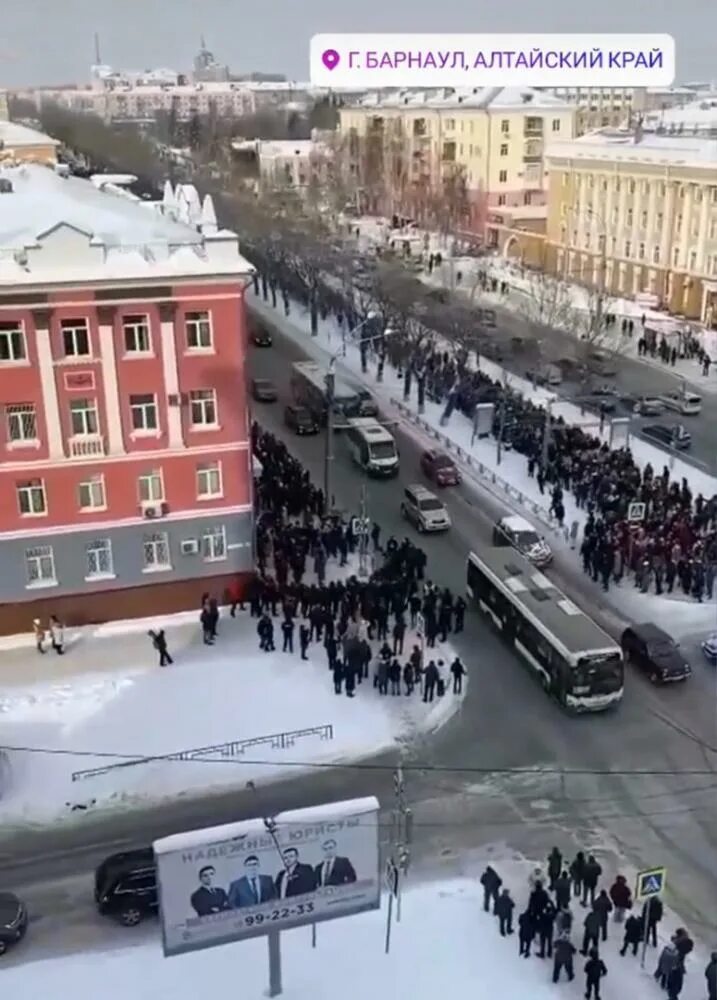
column 350, row 334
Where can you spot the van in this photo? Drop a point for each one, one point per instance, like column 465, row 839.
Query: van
column 424, row 510
column 689, row 404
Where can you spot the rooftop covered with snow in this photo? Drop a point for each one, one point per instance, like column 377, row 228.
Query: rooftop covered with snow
column 14, row 135
column 633, row 147
column 494, row 98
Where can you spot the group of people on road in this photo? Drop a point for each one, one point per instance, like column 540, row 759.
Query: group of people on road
column 360, row 621
column 547, row 922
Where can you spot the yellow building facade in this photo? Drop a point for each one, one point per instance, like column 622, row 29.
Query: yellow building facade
column 20, row 144
column 637, row 215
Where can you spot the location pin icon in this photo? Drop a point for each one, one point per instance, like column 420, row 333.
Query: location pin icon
column 330, row 59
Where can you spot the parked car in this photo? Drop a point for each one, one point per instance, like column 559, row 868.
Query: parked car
column 654, row 652
column 709, row 648
column 263, row 390
column 439, row 467
column 260, row 336
column 545, row 375
column 670, row 435
column 13, row 920
column 603, row 399
column 516, row 531
column 646, row 406
column 126, row 886
column 301, row 420
column 602, row 363
column 424, row 510
column 689, row 404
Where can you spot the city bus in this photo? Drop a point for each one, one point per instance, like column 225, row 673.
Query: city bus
column 577, row 663
column 372, row 446
column 308, row 386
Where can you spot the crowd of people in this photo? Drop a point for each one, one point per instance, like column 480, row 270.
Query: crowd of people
column 363, row 624
column 549, row 925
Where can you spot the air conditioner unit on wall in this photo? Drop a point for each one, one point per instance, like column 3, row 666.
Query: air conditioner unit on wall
column 153, row 510
column 189, row 547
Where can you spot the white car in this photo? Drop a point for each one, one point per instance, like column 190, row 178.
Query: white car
column 687, row 403
column 516, row 531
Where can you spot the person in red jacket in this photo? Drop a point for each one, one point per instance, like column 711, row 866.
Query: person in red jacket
column 621, row 898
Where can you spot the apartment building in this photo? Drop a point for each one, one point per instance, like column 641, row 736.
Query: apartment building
column 18, row 143
column 403, row 147
column 124, row 440
column 637, row 213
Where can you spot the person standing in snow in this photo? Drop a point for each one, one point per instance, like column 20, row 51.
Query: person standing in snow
column 57, row 635
column 603, row 907
column 546, row 920
column 711, row 977
column 666, row 962
column 563, row 953
column 526, row 933
column 491, row 882
column 621, row 898
column 562, row 889
column 39, row 631
column 675, row 980
column 555, row 866
column 591, row 874
column 577, row 871
column 633, row 934
column 159, row 641
column 503, row 910
column 595, row 969
column 458, row 671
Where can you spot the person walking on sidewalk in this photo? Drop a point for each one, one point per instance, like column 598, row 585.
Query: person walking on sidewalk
column 526, row 933
column 159, row 641
column 57, row 635
column 591, row 874
column 555, row 866
column 545, row 926
column 591, row 935
column 458, row 671
column 621, row 898
column 667, row 960
column 603, row 907
column 577, row 871
column 503, row 910
column 491, row 882
column 39, row 630
column 633, row 934
column 651, row 915
column 675, row 980
column 563, row 953
column 595, row 969
column 711, row 977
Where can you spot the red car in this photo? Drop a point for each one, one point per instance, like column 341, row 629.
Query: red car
column 441, row 468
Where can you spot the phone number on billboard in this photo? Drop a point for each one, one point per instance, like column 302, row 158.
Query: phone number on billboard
column 283, row 914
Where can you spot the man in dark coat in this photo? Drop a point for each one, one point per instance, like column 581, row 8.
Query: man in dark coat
column 503, row 910
column 711, row 977
column 591, row 874
column 603, row 907
column 577, row 870
column 526, row 933
column 563, row 952
column 295, row 878
column 491, row 882
column 561, row 887
column 208, row 898
column 591, row 934
column 555, row 866
column 458, row 671
column 633, row 934
column 595, row 969
column 333, row 870
column 621, row 898
column 544, row 929
column 652, row 914
column 537, row 901
column 304, row 638
column 675, row 980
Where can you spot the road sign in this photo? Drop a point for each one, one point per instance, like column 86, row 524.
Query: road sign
column 391, row 877
column 650, row 883
column 636, row 512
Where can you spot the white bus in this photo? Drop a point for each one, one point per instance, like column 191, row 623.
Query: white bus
column 372, row 447
column 577, row 663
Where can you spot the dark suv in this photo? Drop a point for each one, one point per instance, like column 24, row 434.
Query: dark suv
column 13, row 920
column 301, row 420
column 126, row 886
column 652, row 650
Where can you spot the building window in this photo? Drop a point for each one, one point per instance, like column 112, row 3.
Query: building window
column 658, row 222
column 678, row 223
column 502, row 176
column 628, row 248
column 693, row 261
column 98, row 559
column 203, row 407
column 75, row 338
column 501, row 199
column 156, row 552
column 556, row 124
column 566, row 180
column 643, row 220
column 504, row 149
column 505, row 126
column 137, row 339
column 714, row 195
column 151, row 487
column 91, row 494
column 450, row 125
column 631, row 187
column 12, row 342
column 676, row 257
column 209, row 480
column 40, row 566
column 83, row 417
column 198, row 327
column 21, row 421
column 214, row 544
column 713, row 229
column 641, row 251
column 629, row 217
column 31, row 498
column 656, row 255
column 143, row 410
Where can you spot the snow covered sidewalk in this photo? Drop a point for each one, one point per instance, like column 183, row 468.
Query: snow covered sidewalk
column 444, row 943
column 103, row 716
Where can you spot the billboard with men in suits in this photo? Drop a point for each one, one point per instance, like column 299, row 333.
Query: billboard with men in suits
column 243, row 879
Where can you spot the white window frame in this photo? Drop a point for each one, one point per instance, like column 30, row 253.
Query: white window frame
column 154, row 481
column 89, row 416
column 32, row 490
column 12, row 339
column 22, row 418
column 200, row 400
column 76, row 327
column 214, row 544
column 157, row 544
column 42, row 559
column 95, row 487
column 144, row 409
column 199, row 331
column 99, row 564
column 137, row 329
column 208, row 472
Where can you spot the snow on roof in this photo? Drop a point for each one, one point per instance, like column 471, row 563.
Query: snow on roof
column 286, row 148
column 620, row 145
column 331, row 811
column 497, row 98
column 13, row 134
column 696, row 114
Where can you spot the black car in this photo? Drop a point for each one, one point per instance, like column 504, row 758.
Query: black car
column 301, row 420
column 670, row 435
column 260, row 337
column 654, row 652
column 126, row 886
column 13, row 920
column 263, row 390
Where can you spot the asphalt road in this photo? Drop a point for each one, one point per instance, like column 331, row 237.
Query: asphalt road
column 462, row 795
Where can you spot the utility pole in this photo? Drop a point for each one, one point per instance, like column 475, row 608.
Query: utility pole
column 403, row 834
column 329, row 449
column 364, row 529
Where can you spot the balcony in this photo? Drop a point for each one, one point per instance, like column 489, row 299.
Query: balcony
column 87, row 446
column 534, row 129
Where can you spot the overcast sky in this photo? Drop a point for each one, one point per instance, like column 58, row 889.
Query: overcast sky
column 51, row 41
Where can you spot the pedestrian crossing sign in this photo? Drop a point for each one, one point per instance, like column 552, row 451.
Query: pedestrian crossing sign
column 651, row 882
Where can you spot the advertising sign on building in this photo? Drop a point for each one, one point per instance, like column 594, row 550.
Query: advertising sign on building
column 245, row 879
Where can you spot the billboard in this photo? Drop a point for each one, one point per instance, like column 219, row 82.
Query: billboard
column 226, row 883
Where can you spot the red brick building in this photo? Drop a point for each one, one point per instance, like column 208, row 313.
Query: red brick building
column 125, row 462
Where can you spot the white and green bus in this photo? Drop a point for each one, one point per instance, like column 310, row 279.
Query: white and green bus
column 372, row 446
